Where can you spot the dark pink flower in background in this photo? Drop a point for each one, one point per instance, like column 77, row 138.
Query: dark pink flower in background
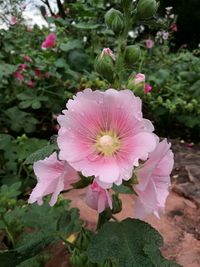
column 147, row 88
column 38, row 73
column 13, row 20
column 19, row 76
column 27, row 58
column 31, row 83
column 98, row 198
column 174, row 27
column 50, row 41
column 149, row 43
column 22, row 67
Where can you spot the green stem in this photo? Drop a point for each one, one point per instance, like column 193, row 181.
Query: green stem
column 122, row 41
column 10, row 236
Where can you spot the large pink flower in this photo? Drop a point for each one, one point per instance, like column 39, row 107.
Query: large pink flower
column 53, row 177
column 103, row 134
column 154, row 181
column 98, row 198
column 50, row 41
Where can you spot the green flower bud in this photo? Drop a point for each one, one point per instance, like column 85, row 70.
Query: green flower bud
column 136, row 83
column 146, row 9
column 115, row 20
column 132, row 54
column 104, row 65
column 117, row 204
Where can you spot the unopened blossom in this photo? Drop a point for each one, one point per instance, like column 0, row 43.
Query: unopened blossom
column 149, row 43
column 22, row 67
column 174, row 27
column 154, row 181
column 27, row 58
column 38, row 73
column 19, row 76
column 13, row 20
column 50, row 41
column 104, row 134
column 31, row 83
column 98, row 198
column 139, row 78
column 147, row 88
column 107, row 51
column 53, row 177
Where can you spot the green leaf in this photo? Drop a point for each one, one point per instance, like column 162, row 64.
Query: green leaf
column 24, row 120
column 12, row 191
column 123, row 189
column 47, row 225
column 71, row 45
column 61, row 63
column 41, row 154
column 5, row 140
column 86, row 26
column 131, row 243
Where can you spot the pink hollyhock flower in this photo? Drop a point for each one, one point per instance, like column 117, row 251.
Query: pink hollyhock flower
column 147, row 88
column 107, row 51
column 27, row 58
column 31, row 83
column 98, row 198
column 104, row 134
column 149, row 43
column 38, row 73
column 22, row 67
column 154, row 181
column 50, row 41
column 19, row 76
column 53, row 176
column 174, row 27
column 13, row 20
column 139, row 78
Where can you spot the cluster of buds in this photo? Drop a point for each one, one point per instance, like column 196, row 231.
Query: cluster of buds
column 105, row 62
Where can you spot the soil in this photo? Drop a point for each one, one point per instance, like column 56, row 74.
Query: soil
column 179, row 226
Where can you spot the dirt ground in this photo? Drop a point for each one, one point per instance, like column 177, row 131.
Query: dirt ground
column 179, row 226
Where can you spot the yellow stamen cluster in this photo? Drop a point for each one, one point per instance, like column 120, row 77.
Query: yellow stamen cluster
column 107, row 143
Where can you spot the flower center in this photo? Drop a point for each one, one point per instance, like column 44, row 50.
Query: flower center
column 107, row 143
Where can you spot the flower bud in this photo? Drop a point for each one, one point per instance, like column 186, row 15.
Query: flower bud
column 136, row 83
column 114, row 20
column 132, row 54
column 104, row 64
column 146, row 9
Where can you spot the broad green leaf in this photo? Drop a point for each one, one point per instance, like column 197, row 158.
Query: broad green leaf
column 12, row 191
column 71, row 45
column 5, row 140
column 131, row 243
column 47, row 225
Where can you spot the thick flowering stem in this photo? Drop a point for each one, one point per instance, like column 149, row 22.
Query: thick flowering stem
column 122, row 42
